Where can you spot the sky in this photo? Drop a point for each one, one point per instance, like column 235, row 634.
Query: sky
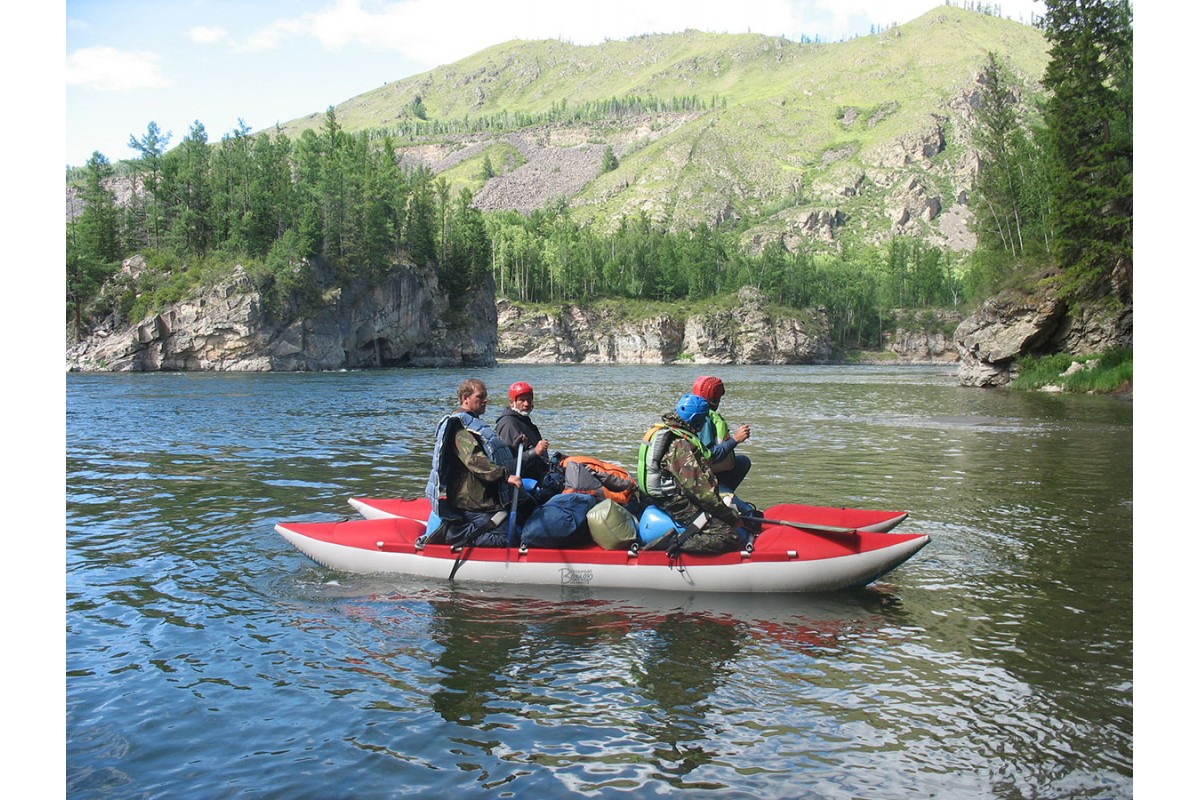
column 133, row 62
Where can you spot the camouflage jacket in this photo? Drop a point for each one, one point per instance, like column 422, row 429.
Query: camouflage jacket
column 475, row 481
column 694, row 476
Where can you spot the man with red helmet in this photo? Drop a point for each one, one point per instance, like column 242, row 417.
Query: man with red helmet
column 514, row 426
column 731, row 468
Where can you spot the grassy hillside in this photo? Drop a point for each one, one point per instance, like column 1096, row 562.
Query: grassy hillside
column 868, row 135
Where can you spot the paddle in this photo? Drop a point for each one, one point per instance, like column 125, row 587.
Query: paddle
column 804, row 526
column 512, row 515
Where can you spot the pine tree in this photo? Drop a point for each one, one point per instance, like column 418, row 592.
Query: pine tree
column 1090, row 123
column 1005, row 196
column 93, row 238
column 186, row 180
column 150, row 200
column 609, row 162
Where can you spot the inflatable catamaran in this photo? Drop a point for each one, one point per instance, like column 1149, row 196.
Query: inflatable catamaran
column 800, row 548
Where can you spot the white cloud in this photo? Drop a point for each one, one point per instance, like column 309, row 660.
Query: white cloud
column 274, row 35
column 111, row 69
column 434, row 32
column 437, row 32
column 203, row 34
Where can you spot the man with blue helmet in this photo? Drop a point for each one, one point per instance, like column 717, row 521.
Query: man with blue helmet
column 675, row 470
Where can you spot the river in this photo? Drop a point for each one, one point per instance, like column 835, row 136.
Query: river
column 206, row 658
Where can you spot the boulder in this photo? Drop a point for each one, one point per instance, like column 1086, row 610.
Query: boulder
column 1006, row 326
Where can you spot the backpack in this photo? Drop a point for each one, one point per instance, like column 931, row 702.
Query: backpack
column 559, row 522
column 548, row 486
column 614, row 480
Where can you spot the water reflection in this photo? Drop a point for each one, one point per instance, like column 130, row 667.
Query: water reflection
column 607, row 686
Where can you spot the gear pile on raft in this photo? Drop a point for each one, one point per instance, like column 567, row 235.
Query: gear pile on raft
column 501, row 507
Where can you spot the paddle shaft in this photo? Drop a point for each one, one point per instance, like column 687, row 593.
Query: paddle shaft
column 512, row 515
column 804, row 526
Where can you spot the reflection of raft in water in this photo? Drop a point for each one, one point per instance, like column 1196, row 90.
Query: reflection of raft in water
column 843, row 548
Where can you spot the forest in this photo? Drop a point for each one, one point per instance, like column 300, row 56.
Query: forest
column 1052, row 188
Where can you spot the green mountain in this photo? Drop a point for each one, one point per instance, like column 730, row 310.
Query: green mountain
column 807, row 144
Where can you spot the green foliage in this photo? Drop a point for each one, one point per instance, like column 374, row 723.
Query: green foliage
column 93, row 250
column 169, row 278
column 268, row 202
column 1089, row 118
column 548, row 258
column 609, row 162
column 1106, row 373
column 1011, row 189
column 1059, row 190
column 418, row 124
column 989, row 271
column 285, row 279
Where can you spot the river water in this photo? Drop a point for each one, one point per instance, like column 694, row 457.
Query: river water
column 206, row 658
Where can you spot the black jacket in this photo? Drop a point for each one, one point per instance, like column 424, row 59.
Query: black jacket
column 510, row 426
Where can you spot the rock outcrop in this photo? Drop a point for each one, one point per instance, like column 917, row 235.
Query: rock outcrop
column 1005, row 327
column 746, row 334
column 1012, row 324
column 402, row 320
column 924, row 341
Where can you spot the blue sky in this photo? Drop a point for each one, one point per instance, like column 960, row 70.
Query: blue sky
column 173, row 62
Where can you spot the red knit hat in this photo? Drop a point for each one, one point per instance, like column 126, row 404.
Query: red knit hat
column 709, row 387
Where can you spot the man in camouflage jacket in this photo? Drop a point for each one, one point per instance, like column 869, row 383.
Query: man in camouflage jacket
column 695, row 490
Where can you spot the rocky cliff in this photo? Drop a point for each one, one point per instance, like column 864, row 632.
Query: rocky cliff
column 402, row 320
column 1013, row 324
column 748, row 333
column 406, row 320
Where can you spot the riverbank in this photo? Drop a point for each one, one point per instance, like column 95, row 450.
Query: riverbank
column 1109, row 373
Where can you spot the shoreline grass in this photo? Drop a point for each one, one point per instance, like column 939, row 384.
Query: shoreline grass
column 1110, row 372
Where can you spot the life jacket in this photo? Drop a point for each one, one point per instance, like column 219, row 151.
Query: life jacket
column 605, row 473
column 651, row 477
column 497, row 451
column 714, row 431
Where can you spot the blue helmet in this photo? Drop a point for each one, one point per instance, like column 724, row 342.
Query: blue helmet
column 691, row 408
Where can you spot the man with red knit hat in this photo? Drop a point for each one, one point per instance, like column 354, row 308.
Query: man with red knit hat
column 731, row 468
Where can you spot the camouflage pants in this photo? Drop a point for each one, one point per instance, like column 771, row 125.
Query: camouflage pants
column 717, row 536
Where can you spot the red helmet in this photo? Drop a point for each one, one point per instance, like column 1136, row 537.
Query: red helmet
column 519, row 388
column 709, row 387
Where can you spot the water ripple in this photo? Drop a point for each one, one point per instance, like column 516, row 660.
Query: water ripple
column 206, row 658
